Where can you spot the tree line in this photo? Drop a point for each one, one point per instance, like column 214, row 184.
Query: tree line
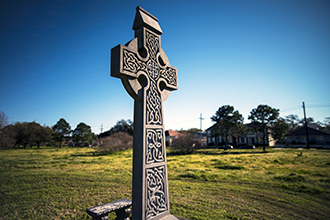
column 229, row 122
column 33, row 134
column 29, row 134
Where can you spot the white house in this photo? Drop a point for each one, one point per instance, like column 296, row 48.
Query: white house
column 251, row 137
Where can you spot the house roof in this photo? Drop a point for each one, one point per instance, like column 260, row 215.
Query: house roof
column 253, row 125
column 172, row 133
column 210, row 128
column 311, row 131
column 249, row 125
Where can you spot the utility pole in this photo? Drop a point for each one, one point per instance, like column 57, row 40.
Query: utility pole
column 101, row 128
column 307, row 136
column 201, row 128
column 201, row 119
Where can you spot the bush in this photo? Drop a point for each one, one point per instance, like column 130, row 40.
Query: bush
column 7, row 137
column 186, row 143
column 116, row 142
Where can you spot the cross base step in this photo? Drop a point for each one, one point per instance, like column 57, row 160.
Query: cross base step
column 169, row 217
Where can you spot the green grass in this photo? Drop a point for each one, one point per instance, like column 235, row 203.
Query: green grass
column 50, row 183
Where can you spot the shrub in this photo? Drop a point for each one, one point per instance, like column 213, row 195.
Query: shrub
column 116, row 142
column 186, row 143
column 7, row 137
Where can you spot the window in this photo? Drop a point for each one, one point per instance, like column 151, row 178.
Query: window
column 319, row 138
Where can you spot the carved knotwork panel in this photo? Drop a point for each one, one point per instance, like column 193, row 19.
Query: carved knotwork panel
column 156, row 200
column 154, row 105
column 152, row 44
column 154, row 71
column 132, row 62
column 169, row 75
column 155, row 146
column 154, row 102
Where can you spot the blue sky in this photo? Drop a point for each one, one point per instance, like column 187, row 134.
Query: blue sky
column 54, row 59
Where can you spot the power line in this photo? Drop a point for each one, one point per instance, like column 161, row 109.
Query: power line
column 296, row 107
column 290, row 109
column 318, row 106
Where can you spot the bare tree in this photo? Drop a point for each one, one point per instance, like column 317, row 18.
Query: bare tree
column 186, row 143
column 3, row 120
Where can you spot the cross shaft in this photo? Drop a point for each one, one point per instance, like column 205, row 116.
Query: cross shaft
column 148, row 77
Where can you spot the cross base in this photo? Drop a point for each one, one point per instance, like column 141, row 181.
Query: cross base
column 169, row 217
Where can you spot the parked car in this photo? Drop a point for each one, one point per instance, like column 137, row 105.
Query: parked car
column 248, row 147
column 326, row 146
column 228, row 146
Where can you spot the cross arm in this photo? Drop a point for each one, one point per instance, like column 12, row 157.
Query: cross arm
column 125, row 61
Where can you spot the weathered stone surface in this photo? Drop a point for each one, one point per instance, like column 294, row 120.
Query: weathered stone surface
column 148, row 77
column 120, row 206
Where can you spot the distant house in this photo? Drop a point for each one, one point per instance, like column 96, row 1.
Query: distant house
column 298, row 136
column 212, row 139
column 254, row 136
column 202, row 137
column 170, row 135
column 251, row 137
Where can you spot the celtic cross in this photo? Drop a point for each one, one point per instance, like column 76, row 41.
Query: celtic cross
column 148, row 77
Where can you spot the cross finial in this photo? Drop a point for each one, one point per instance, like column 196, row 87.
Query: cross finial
column 144, row 18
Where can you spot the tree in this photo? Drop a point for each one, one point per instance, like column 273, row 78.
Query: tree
column 227, row 122
column 3, row 120
column 39, row 134
column 264, row 116
column 292, row 120
column 279, row 129
column 94, row 139
column 32, row 133
column 327, row 122
column 82, row 134
column 120, row 126
column 7, row 132
column 239, row 130
column 7, row 136
column 320, row 126
column 62, row 130
column 308, row 120
column 22, row 134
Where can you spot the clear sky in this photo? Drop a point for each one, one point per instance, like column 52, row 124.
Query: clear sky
column 54, row 58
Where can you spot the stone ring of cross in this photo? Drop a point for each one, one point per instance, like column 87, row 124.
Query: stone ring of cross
column 142, row 64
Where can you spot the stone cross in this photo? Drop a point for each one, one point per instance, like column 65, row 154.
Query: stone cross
column 148, row 77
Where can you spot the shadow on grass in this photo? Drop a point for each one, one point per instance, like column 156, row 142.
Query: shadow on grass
column 96, row 154
column 231, row 152
column 206, row 152
column 177, row 153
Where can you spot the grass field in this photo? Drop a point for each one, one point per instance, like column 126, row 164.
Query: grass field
column 50, row 183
